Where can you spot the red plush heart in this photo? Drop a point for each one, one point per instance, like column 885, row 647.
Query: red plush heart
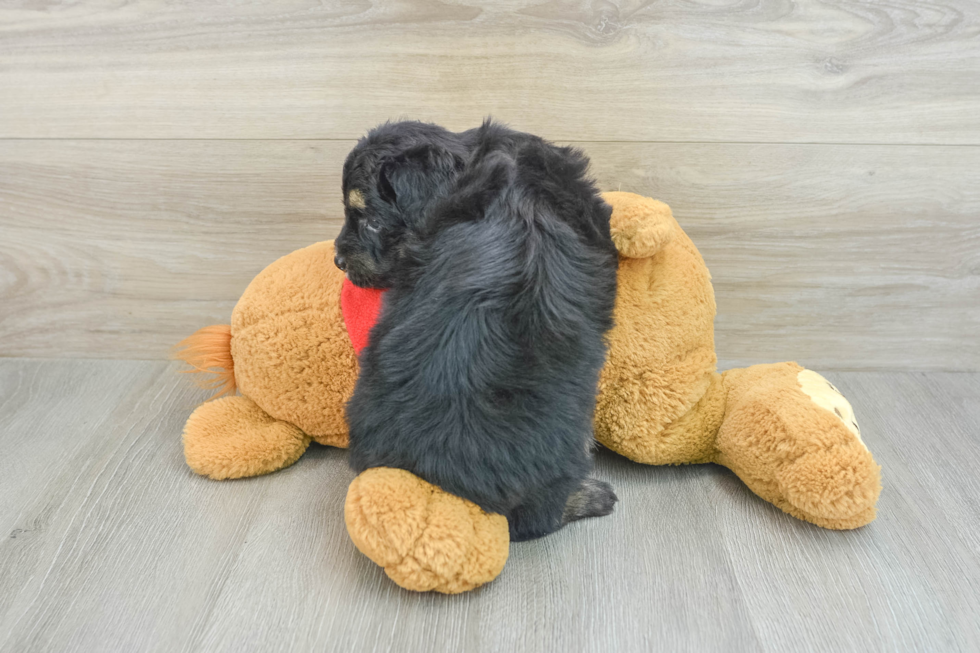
column 360, row 307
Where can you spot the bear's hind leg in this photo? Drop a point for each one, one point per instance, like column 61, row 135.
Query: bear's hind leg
column 792, row 438
column 232, row 437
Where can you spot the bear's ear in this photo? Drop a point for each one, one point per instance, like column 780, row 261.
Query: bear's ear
column 640, row 226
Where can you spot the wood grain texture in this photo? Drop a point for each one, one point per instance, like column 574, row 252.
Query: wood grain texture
column 772, row 71
column 110, row 543
column 846, row 257
column 841, row 257
column 144, row 242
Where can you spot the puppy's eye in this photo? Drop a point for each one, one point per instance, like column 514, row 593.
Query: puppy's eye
column 372, row 225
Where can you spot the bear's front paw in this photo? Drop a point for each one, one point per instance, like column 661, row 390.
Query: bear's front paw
column 424, row 538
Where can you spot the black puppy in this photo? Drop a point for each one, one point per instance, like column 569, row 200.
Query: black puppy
column 480, row 376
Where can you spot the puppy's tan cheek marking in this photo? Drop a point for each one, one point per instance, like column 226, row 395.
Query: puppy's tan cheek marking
column 355, row 199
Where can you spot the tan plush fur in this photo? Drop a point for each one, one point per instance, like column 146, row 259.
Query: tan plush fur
column 793, row 441
column 291, row 350
column 661, row 352
column 424, row 538
column 233, row 438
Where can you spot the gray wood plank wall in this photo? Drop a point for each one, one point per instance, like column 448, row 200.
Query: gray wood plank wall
column 824, row 157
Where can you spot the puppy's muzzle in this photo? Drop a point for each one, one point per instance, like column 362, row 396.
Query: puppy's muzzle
column 340, row 262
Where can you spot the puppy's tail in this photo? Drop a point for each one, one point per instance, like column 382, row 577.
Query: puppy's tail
column 593, row 498
column 208, row 351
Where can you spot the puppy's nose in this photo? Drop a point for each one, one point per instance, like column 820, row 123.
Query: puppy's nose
column 340, row 262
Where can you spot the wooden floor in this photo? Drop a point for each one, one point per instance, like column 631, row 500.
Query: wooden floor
column 110, row 543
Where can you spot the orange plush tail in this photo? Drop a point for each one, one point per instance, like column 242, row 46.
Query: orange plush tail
column 208, row 351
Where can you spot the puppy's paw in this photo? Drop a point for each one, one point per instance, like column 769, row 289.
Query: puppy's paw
column 593, row 498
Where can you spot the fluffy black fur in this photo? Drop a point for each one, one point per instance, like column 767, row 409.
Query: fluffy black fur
column 480, row 376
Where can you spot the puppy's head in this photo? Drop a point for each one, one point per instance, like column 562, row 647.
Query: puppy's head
column 390, row 178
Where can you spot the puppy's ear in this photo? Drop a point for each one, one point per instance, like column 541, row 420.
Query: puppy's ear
column 478, row 186
column 385, row 190
column 416, row 173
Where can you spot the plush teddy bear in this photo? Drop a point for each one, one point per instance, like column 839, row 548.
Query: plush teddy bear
column 291, row 348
